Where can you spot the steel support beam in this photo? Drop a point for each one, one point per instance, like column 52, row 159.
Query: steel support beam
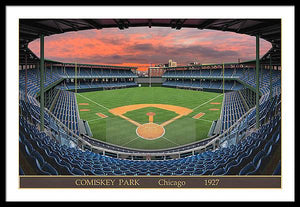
column 223, row 77
column 75, row 77
column 42, row 98
column 257, row 81
column 26, row 78
column 271, row 79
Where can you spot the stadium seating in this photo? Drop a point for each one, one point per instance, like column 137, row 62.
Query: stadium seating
column 246, row 75
column 65, row 109
column 55, row 152
column 33, row 78
column 95, row 73
column 233, row 109
column 203, row 84
column 52, row 158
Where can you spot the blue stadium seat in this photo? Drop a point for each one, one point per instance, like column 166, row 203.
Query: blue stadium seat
column 40, row 169
column 276, row 138
column 219, row 171
column 257, row 168
column 258, row 157
column 277, row 170
column 38, row 157
column 21, row 172
column 76, row 171
column 228, row 166
column 247, row 169
column 50, row 169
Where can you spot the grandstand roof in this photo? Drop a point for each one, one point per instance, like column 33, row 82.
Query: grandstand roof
column 269, row 29
column 91, row 65
column 102, row 66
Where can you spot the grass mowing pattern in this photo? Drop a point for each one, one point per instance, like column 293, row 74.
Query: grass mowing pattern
column 116, row 130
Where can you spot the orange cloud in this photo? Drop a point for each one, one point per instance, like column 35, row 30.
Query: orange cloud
column 141, row 46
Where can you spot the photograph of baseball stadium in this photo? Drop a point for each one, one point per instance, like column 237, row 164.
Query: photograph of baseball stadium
column 195, row 119
column 150, row 102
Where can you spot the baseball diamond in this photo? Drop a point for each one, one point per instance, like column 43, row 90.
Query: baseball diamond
column 136, row 115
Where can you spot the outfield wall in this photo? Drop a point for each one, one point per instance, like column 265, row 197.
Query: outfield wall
column 148, row 80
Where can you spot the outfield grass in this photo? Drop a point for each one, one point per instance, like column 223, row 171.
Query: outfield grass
column 117, row 130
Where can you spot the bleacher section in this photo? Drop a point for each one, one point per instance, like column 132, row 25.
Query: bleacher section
column 245, row 75
column 207, row 84
column 105, row 85
column 96, row 73
column 249, row 77
column 51, row 76
column 233, row 109
column 65, row 109
column 33, row 80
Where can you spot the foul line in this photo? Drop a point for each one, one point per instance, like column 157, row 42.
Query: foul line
column 171, row 120
column 207, row 102
column 94, row 119
column 130, row 120
column 205, row 120
column 94, row 102
column 170, row 140
column 129, row 141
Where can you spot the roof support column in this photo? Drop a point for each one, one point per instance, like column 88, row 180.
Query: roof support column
column 45, row 72
column 25, row 77
column 37, row 70
column 150, row 75
column 257, row 81
column 75, row 77
column 271, row 81
column 42, row 98
column 51, row 69
column 223, row 77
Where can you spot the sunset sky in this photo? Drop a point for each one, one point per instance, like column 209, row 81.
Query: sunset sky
column 142, row 46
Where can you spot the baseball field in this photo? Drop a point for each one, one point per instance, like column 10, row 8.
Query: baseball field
column 149, row 117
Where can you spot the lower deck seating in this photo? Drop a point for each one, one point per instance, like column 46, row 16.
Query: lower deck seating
column 246, row 75
column 250, row 156
column 71, row 86
column 65, row 109
column 233, row 109
column 228, row 85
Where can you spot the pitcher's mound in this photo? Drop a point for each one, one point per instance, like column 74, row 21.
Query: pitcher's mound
column 150, row 131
